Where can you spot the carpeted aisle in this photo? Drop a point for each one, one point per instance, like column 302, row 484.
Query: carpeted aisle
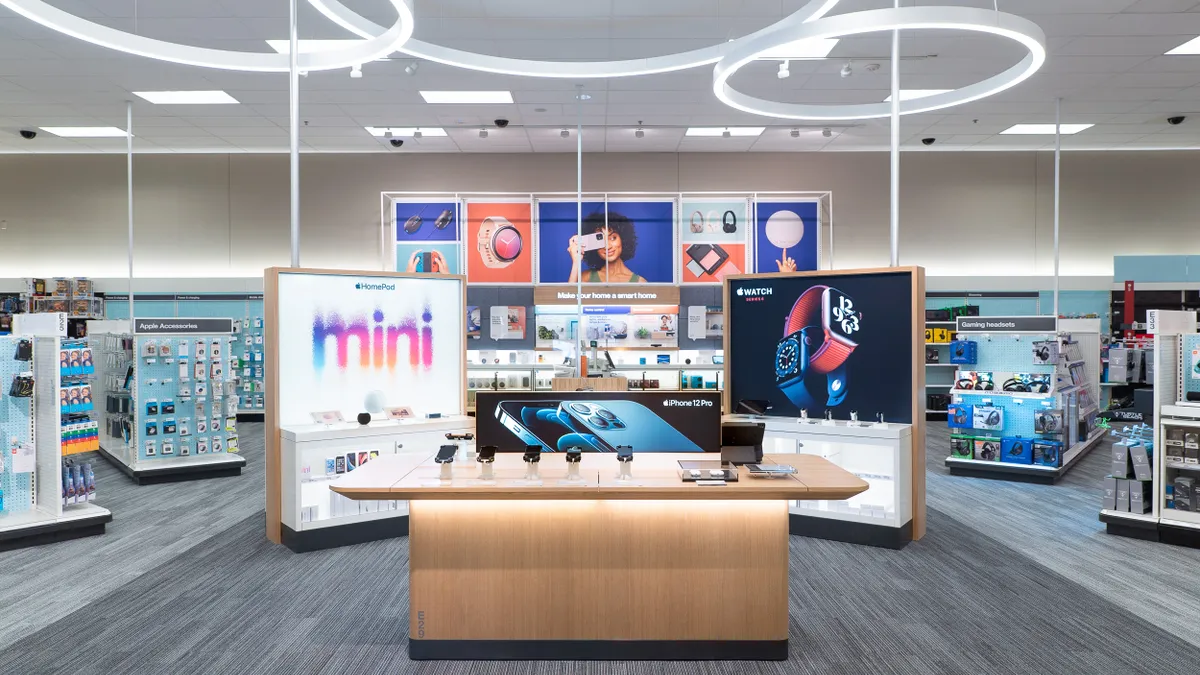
column 991, row 589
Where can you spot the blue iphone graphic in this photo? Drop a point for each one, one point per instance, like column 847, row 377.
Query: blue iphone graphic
column 541, row 423
column 616, row 423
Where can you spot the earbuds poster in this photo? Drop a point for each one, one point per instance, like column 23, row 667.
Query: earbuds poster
column 713, row 239
column 785, row 236
column 427, row 236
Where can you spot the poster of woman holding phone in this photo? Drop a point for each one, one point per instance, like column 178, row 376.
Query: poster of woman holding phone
column 627, row 244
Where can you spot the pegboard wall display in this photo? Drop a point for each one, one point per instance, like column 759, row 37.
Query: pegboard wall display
column 17, row 475
column 1190, row 365
column 184, row 396
column 250, row 363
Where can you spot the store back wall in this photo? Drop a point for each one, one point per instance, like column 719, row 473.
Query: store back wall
column 964, row 214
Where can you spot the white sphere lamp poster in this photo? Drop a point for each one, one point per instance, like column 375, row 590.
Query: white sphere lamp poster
column 361, row 343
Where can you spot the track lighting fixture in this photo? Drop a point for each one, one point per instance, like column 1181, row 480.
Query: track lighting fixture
column 847, row 70
column 483, row 133
column 783, row 70
column 411, row 68
column 356, row 71
column 417, row 133
column 827, row 132
column 795, row 132
column 726, row 134
column 564, row 134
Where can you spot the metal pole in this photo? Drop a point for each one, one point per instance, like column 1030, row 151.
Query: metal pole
column 1057, row 193
column 580, row 332
column 294, row 133
column 129, row 197
column 895, row 198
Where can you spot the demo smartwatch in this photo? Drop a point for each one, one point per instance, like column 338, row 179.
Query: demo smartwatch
column 499, row 242
column 817, row 339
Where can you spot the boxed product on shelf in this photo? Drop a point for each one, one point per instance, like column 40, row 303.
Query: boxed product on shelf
column 1142, row 459
column 937, row 401
column 1184, row 493
column 964, row 351
column 1045, row 352
column 960, row 416
column 1141, row 494
column 1016, row 450
column 988, row 417
column 987, row 449
column 1122, row 494
column 1048, row 421
column 932, row 355
column 1120, row 467
column 1110, row 494
column 1047, row 452
column 962, row 447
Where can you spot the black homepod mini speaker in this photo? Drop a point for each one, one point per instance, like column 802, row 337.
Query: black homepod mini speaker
column 364, row 418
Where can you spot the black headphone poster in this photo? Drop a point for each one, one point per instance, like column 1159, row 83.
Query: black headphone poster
column 838, row 342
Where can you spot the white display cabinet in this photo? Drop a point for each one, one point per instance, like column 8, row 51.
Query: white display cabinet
column 314, row 455
column 880, row 454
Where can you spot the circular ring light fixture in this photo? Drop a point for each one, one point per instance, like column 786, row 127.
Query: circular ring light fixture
column 335, row 11
column 748, row 49
column 380, row 44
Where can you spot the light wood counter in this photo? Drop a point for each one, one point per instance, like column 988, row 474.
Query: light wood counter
column 599, row 568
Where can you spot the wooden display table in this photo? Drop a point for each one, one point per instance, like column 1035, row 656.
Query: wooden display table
column 597, row 568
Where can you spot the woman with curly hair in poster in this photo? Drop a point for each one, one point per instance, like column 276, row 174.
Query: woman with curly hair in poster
column 606, row 265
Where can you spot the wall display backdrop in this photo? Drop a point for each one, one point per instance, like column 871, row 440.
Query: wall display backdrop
column 785, row 236
column 635, row 247
column 499, row 242
column 611, row 326
column 599, row 421
column 351, row 342
column 838, row 342
column 474, row 328
column 427, row 236
column 713, row 237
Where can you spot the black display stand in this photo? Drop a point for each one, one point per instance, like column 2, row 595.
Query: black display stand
column 322, row 538
column 598, row 650
column 177, row 473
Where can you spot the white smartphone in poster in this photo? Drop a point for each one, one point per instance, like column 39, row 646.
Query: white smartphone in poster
column 592, row 241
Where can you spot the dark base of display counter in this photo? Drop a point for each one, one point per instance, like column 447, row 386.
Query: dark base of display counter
column 1127, row 526
column 344, row 535
column 251, row 417
column 231, row 465
column 598, row 650
column 851, row 533
column 51, row 533
column 1179, row 536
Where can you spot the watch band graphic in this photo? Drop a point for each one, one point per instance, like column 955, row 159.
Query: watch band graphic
column 816, row 340
column 499, row 242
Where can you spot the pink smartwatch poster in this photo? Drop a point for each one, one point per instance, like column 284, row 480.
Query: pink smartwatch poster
column 499, row 242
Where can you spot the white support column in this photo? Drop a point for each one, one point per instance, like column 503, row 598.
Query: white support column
column 129, row 197
column 579, row 330
column 294, row 132
column 895, row 187
column 1057, row 186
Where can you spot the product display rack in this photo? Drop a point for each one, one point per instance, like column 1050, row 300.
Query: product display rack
column 246, row 311
column 509, row 377
column 1073, row 397
column 169, row 415
column 38, row 504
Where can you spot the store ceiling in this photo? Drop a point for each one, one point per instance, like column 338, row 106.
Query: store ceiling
column 1106, row 61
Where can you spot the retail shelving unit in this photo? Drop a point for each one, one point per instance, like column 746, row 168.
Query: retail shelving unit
column 509, row 377
column 37, row 504
column 170, row 409
column 1004, row 354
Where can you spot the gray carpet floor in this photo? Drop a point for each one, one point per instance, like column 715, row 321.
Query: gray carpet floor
column 1011, row 578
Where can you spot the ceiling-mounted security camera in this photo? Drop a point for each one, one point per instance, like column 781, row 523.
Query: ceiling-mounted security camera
column 28, row 134
column 929, row 141
column 1175, row 121
column 396, row 142
column 501, row 123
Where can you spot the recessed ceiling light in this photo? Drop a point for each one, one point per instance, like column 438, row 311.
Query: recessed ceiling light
column 85, row 132
column 725, row 131
column 1190, row 47
column 405, row 131
column 467, row 96
column 812, row 48
column 907, row 94
column 186, row 97
column 1045, row 129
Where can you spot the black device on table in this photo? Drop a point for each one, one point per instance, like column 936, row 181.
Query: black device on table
column 533, row 454
column 624, row 453
column 487, row 454
column 451, row 436
column 741, row 442
column 445, row 454
column 574, row 455
column 753, row 406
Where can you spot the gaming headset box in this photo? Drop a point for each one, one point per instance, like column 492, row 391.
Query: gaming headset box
column 599, row 421
column 1016, row 450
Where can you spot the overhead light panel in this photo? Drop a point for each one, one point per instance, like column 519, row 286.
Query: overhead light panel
column 85, row 132
column 1044, row 129
column 406, row 132
column 812, row 48
column 727, row 132
column 908, row 94
column 467, row 96
column 1190, row 47
column 214, row 97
